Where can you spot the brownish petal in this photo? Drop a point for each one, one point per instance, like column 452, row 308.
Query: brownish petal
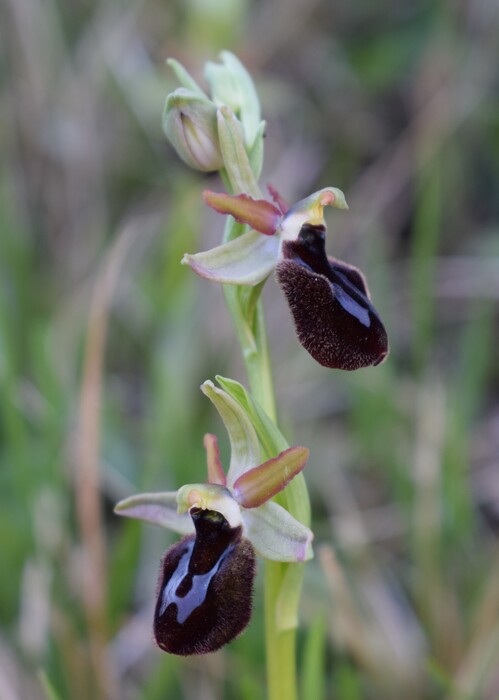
column 260, row 484
column 216, row 474
column 258, row 213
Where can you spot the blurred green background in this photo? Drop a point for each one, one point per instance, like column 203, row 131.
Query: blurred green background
column 105, row 339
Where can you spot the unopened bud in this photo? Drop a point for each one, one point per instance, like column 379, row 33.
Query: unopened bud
column 190, row 123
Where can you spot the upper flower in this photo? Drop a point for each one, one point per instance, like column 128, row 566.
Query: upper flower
column 329, row 299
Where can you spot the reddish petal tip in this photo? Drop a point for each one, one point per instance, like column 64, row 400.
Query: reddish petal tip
column 257, row 213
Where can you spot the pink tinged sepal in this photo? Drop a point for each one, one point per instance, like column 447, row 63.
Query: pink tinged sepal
column 216, row 474
column 246, row 260
column 157, row 508
column 257, row 213
column 276, row 535
column 261, row 483
column 244, row 444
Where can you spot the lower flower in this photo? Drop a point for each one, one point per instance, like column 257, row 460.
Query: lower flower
column 205, row 589
column 334, row 317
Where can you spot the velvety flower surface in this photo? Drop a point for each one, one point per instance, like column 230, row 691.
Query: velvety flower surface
column 206, row 579
column 329, row 299
column 334, row 318
column 205, row 588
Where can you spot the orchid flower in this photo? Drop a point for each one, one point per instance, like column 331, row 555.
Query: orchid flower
column 206, row 579
column 329, row 299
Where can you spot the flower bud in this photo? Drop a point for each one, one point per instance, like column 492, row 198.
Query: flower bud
column 205, row 588
column 231, row 85
column 190, row 123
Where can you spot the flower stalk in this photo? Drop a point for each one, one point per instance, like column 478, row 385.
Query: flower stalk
column 282, row 581
column 239, row 141
column 261, row 505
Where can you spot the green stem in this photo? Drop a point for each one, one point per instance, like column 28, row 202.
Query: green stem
column 282, row 582
column 252, row 338
column 280, row 645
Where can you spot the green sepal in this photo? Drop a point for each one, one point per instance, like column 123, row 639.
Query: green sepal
column 246, row 260
column 277, row 535
column 295, row 495
column 157, row 508
column 245, row 448
column 184, row 77
column 235, row 157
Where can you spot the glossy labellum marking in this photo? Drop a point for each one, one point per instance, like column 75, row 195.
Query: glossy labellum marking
column 334, row 318
column 205, row 587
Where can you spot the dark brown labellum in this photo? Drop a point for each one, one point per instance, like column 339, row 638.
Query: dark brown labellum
column 205, row 588
column 334, row 318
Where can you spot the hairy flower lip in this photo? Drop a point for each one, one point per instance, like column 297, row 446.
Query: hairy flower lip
column 205, row 588
column 347, row 333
